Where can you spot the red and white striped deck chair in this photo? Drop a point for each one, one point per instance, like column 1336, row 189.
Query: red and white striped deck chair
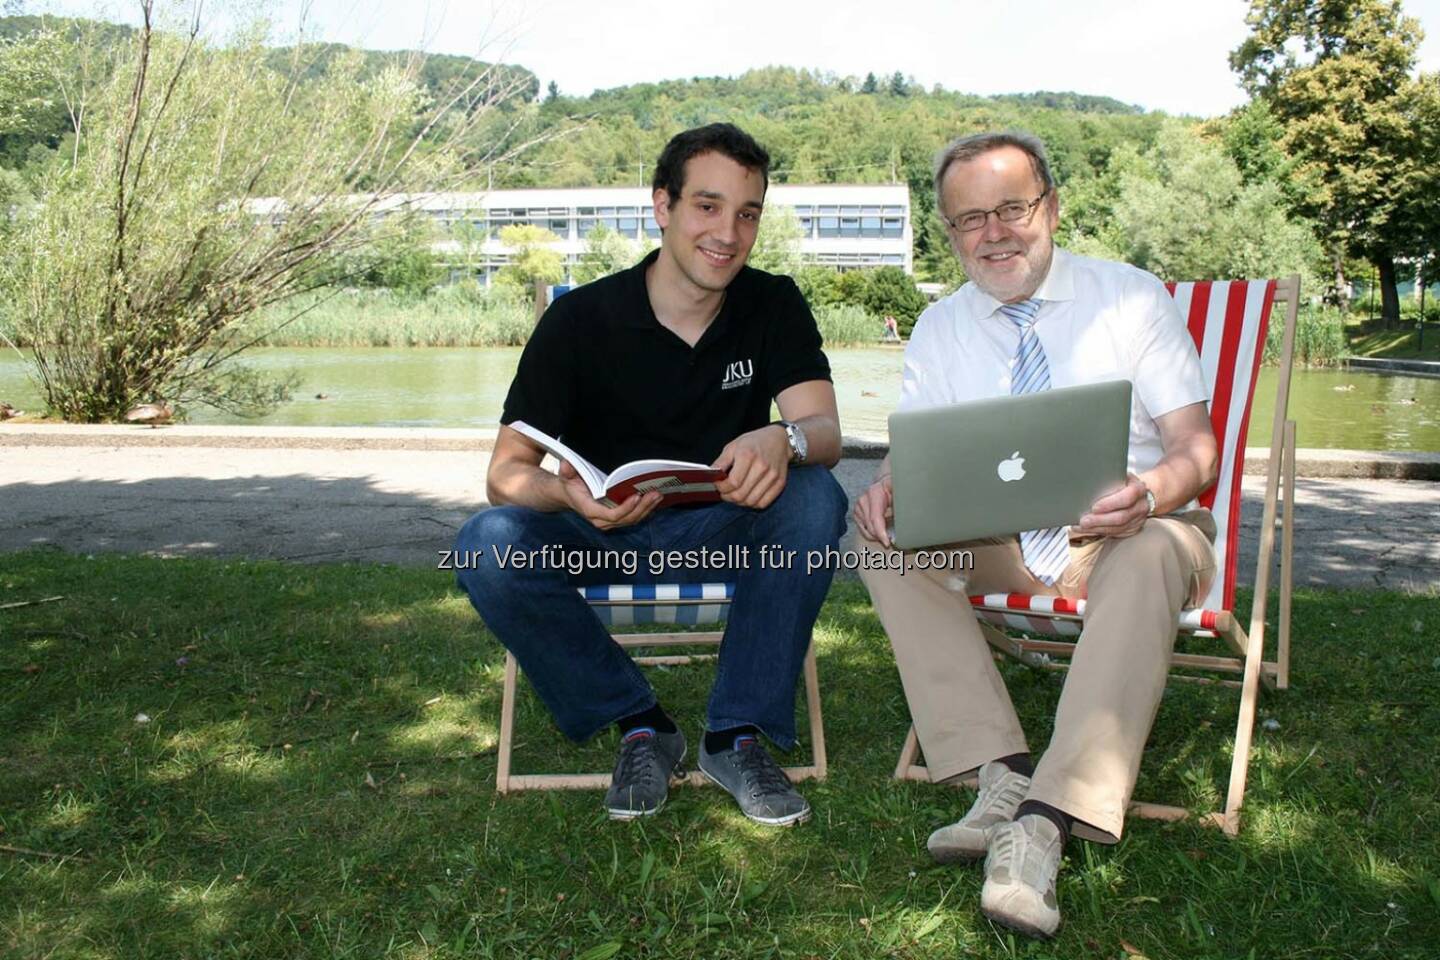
column 623, row 605
column 1228, row 321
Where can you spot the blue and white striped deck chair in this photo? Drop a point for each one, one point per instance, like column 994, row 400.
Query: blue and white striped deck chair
column 623, row 605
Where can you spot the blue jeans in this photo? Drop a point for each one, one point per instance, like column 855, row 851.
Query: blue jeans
column 586, row 679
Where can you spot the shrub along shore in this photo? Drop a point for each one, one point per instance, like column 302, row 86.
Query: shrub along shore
column 468, row 316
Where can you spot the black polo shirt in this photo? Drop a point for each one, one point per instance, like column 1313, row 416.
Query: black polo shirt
column 604, row 376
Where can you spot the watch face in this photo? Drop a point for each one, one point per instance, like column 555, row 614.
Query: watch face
column 798, row 445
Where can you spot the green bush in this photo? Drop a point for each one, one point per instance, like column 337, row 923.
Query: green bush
column 463, row 315
column 1319, row 337
column 890, row 291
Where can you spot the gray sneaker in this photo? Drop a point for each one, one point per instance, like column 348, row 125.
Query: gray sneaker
column 1020, row 871
column 641, row 780
column 1001, row 790
column 756, row 782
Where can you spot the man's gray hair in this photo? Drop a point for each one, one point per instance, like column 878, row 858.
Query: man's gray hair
column 973, row 145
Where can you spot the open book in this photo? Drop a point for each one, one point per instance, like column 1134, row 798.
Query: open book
column 677, row 480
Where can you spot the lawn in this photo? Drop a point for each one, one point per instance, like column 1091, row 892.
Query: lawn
column 232, row 759
column 1401, row 344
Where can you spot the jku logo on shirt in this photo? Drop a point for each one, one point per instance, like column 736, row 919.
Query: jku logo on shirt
column 738, row 374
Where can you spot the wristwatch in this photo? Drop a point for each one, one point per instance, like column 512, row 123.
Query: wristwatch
column 1150, row 500
column 799, row 448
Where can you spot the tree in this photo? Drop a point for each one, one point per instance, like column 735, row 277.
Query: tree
column 531, row 257
column 1184, row 212
column 552, row 92
column 889, row 291
column 606, row 252
column 777, row 245
column 1337, row 76
column 871, row 85
column 203, row 186
column 26, row 65
column 898, row 86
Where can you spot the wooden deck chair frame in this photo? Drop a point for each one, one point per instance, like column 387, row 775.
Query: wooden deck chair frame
column 1057, row 616
column 663, row 604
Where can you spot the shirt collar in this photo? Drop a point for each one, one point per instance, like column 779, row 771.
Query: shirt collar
column 644, row 318
column 1059, row 284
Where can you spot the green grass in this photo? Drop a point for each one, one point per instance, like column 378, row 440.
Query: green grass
column 456, row 316
column 316, row 780
column 1402, row 344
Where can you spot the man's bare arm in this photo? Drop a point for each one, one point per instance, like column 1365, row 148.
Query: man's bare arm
column 1187, row 468
column 811, row 406
column 757, row 462
column 516, row 478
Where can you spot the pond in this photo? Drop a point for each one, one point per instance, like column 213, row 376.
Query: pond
column 465, row 387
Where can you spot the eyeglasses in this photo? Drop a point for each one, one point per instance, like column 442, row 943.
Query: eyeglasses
column 1011, row 212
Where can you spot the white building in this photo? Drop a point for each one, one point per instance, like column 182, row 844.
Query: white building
column 843, row 225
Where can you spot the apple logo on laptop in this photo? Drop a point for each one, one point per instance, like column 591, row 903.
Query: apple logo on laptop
column 1013, row 468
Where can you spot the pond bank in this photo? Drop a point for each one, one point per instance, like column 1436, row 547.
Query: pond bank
column 370, row 496
column 1311, row 463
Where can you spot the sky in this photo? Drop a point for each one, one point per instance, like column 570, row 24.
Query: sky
column 1166, row 55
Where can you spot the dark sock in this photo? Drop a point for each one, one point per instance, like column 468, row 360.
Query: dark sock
column 717, row 740
column 1019, row 763
column 1060, row 818
column 654, row 717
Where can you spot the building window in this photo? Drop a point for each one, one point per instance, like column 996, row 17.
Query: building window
column 869, row 226
column 829, row 226
column 893, row 228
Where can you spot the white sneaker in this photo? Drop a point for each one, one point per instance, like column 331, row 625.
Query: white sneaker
column 1020, row 871
column 1001, row 790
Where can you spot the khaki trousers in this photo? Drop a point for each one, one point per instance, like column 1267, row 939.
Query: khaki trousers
column 1135, row 588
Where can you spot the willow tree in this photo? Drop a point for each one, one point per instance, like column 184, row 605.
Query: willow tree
column 205, row 184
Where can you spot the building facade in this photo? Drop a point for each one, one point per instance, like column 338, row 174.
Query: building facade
column 846, row 226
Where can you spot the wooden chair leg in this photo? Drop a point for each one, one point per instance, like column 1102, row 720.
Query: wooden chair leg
column 1244, row 731
column 1287, row 559
column 507, row 726
column 906, row 768
column 819, row 761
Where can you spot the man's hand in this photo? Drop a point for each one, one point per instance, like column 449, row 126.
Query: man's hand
column 756, row 464
column 874, row 510
column 1118, row 514
column 637, row 508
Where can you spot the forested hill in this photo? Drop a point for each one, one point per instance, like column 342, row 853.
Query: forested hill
column 818, row 127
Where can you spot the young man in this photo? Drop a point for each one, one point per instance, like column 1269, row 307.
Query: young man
column 679, row 358
column 1033, row 316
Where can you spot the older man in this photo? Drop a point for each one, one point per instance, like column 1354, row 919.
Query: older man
column 1033, row 316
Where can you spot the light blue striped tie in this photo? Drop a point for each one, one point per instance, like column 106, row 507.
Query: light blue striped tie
column 1046, row 552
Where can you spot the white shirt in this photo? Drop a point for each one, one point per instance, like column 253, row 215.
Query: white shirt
column 1098, row 320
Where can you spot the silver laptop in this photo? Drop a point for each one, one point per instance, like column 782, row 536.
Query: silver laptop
column 999, row 466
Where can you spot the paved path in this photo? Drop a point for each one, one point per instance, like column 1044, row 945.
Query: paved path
column 315, row 497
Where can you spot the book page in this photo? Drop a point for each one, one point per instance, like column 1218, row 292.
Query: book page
column 593, row 476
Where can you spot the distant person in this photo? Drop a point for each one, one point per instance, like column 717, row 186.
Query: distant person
column 1032, row 316
column 892, row 330
column 679, row 358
